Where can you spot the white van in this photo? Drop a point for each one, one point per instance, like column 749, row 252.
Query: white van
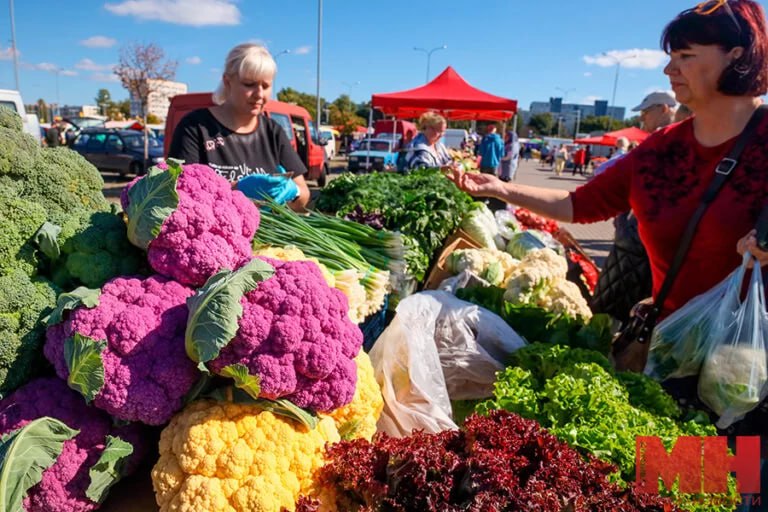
column 455, row 138
column 332, row 136
column 12, row 100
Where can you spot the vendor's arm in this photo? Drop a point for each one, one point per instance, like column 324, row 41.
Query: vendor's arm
column 300, row 203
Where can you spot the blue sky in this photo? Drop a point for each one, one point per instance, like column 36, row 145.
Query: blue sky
column 524, row 50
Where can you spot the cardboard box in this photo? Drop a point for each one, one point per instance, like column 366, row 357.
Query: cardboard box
column 459, row 240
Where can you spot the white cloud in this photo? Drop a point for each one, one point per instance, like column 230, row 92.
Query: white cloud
column 45, row 66
column 195, row 60
column 589, row 100
column 302, row 50
column 196, row 13
column 99, row 42
column 636, row 58
column 215, row 71
column 104, row 77
column 587, row 74
column 7, row 53
column 68, row 72
column 89, row 65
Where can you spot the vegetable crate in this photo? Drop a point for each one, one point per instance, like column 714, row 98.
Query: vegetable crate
column 459, row 240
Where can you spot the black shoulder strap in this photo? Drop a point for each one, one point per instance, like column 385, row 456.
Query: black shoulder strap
column 723, row 171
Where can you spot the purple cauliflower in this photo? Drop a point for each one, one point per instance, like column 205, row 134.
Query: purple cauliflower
column 296, row 336
column 210, row 229
column 64, row 484
column 146, row 370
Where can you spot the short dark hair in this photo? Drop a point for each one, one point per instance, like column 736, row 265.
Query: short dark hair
column 746, row 76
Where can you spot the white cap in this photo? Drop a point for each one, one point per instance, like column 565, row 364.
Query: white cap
column 656, row 98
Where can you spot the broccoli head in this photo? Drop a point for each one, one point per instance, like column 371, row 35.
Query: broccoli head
column 94, row 249
column 64, row 182
column 24, row 301
column 10, row 119
column 20, row 220
column 18, row 154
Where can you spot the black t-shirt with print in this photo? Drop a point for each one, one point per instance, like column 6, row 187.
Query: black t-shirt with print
column 201, row 138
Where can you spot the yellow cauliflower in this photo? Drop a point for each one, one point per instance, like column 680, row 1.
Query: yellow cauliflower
column 493, row 265
column 540, row 280
column 358, row 418
column 225, row 457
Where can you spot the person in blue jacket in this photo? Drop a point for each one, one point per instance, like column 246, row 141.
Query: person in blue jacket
column 491, row 150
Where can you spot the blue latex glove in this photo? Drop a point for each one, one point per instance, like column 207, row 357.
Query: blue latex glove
column 259, row 186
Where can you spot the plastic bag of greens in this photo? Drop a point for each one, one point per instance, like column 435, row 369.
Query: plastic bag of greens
column 680, row 342
column 480, row 224
column 507, row 224
column 523, row 242
column 734, row 376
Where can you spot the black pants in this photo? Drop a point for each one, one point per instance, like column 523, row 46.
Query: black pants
column 493, row 203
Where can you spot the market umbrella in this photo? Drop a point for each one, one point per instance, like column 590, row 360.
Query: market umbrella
column 632, row 133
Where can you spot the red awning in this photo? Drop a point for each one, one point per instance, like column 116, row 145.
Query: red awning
column 450, row 95
column 632, row 133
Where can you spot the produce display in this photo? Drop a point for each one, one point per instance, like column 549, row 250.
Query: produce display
column 234, row 332
column 424, row 205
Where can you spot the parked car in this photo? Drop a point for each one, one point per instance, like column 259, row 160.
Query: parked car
column 295, row 120
column 120, row 151
column 373, row 155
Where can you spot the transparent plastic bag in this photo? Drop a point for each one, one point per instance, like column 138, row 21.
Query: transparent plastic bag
column 680, row 342
column 734, row 375
column 438, row 348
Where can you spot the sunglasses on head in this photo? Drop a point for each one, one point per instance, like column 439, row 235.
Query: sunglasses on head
column 712, row 6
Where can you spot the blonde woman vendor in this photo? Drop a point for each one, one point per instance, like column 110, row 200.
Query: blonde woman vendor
column 237, row 140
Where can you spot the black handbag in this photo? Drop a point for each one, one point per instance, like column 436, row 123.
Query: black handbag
column 629, row 350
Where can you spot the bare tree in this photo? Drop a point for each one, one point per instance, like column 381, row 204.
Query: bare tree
column 141, row 69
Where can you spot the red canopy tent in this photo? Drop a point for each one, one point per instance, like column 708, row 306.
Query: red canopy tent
column 450, row 95
column 632, row 133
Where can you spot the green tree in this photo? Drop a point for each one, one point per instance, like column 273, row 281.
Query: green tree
column 600, row 124
column 542, row 124
column 343, row 113
column 633, row 121
column 302, row 99
column 153, row 119
column 122, row 109
column 103, row 100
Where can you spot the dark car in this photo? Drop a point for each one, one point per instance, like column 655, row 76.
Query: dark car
column 120, row 151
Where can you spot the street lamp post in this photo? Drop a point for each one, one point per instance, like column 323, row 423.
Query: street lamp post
column 429, row 55
column 319, row 50
column 618, row 61
column 277, row 56
column 13, row 48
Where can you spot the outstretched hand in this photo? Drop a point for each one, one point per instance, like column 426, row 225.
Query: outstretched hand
column 749, row 243
column 477, row 184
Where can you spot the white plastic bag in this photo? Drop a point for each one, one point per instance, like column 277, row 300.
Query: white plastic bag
column 681, row 341
column 438, row 348
column 734, row 376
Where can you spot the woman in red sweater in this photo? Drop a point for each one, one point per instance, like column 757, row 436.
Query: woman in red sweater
column 719, row 68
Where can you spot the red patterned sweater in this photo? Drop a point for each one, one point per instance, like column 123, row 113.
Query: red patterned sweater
column 663, row 181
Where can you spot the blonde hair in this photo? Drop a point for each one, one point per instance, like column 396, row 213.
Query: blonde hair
column 246, row 60
column 622, row 143
column 429, row 120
